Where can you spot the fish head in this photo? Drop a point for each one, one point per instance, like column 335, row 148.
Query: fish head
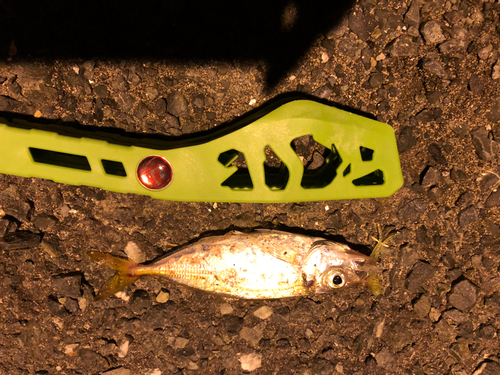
column 330, row 265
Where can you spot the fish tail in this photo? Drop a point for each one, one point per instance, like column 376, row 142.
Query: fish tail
column 124, row 276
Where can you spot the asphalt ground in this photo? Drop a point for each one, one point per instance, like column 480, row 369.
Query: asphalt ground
column 430, row 69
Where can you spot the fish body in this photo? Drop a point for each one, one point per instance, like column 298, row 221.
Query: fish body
column 264, row 264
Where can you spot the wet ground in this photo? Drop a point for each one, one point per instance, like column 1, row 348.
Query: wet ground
column 429, row 69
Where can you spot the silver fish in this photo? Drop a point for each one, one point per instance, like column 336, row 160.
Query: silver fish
column 264, row 264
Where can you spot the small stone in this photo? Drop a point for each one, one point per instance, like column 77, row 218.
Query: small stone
column 233, row 324
column 463, row 296
column 177, row 104
column 493, row 200
column 431, row 177
column 420, row 275
column 199, row 102
column 496, row 70
column 376, row 80
column 101, row 91
column 422, row 306
column 162, row 297
column 485, row 52
column 385, row 359
column 485, row 147
column 68, row 285
column 412, row 210
column 324, row 92
column 151, row 93
column 317, row 161
column 251, row 335
column 91, row 359
column 434, row 67
column 436, row 153
column 192, row 366
column 70, row 349
column 250, row 362
column 468, row 216
column 134, row 252
column 160, row 107
column 134, row 78
column 404, row 46
column 140, row 110
column 444, row 330
column 455, row 315
column 432, row 32
column 123, row 349
column 44, row 222
column 406, row 140
column 263, row 312
column 118, row 371
column 476, row 84
column 493, row 113
column 487, row 368
column 120, row 84
column 465, row 199
column 226, row 309
column 180, row 343
column 360, row 24
column 412, row 16
column 434, row 314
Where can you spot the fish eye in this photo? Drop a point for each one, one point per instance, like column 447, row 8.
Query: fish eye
column 336, row 279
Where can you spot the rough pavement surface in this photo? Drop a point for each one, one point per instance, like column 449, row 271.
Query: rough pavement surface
column 430, row 69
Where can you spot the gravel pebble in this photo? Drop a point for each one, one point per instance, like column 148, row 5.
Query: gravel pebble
column 226, row 309
column 495, row 74
column 406, row 140
column 493, row 200
column 263, row 312
column 385, row 359
column 468, row 216
column 118, row 371
column 431, row 177
column 250, row 362
column 68, row 285
column 422, row 273
column 422, row 306
column 493, row 113
column 486, row 148
column 412, row 210
column 434, row 67
column 177, row 104
column 251, row 335
column 404, row 46
column 463, row 296
column 432, row 32
column 134, row 252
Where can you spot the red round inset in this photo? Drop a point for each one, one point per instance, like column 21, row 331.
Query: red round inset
column 154, row 172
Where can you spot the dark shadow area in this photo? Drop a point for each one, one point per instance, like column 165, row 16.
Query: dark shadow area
column 159, row 141
column 276, row 33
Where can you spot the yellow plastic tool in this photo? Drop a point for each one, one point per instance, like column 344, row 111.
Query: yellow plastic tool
column 230, row 166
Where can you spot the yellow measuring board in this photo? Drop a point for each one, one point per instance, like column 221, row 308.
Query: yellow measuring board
column 362, row 160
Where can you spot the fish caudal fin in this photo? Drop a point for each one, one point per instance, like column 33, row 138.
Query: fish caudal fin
column 123, row 277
